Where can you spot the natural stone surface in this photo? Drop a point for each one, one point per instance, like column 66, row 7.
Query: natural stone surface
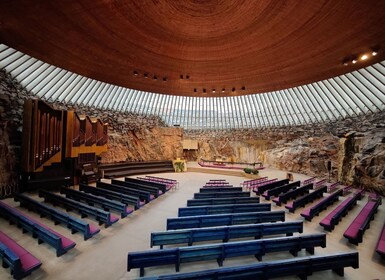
column 158, row 143
column 356, row 146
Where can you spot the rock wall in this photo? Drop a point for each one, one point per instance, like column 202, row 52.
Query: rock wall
column 355, row 146
column 157, row 143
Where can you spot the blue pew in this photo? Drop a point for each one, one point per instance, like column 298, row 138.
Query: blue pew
column 105, row 203
column 222, row 209
column 220, row 189
column 261, row 189
column 143, row 195
column 222, row 251
column 40, row 231
column 224, row 233
column 283, row 198
column 103, row 217
column 321, row 205
column 58, row 216
column 307, row 198
column 335, row 216
column 124, row 198
column 162, row 187
column 221, row 195
column 21, row 262
column 225, row 219
column 219, row 201
column 301, row 267
column 152, row 190
column 281, row 189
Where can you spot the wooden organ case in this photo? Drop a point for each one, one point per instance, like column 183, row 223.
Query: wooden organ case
column 59, row 147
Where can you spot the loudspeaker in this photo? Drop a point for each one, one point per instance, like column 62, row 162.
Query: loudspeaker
column 329, row 165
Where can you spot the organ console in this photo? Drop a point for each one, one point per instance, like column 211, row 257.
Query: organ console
column 59, row 145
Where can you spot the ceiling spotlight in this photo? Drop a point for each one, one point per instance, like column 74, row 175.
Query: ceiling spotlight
column 374, row 53
column 223, row 90
column 364, row 57
column 213, row 90
column 345, row 61
column 354, row 60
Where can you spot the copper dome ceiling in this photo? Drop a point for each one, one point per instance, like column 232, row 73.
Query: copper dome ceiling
column 186, row 47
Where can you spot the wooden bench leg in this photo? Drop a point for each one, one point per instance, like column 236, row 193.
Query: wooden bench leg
column 310, row 250
column 294, row 252
column 339, row 271
column 220, row 261
column 141, row 271
column 258, row 257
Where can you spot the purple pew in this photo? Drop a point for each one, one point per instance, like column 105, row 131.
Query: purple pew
column 61, row 243
column 334, row 217
column 21, row 261
column 303, row 200
column 321, row 205
column 354, row 233
column 380, row 248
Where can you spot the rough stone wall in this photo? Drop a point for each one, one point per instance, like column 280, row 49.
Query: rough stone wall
column 157, row 143
column 11, row 111
column 355, row 146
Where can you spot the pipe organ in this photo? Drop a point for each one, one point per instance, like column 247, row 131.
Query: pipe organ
column 57, row 143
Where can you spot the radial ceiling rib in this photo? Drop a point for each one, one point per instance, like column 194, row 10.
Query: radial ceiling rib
column 358, row 92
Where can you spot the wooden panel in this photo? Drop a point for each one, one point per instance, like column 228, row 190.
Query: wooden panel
column 261, row 45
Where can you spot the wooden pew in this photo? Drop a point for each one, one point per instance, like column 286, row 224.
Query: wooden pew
column 222, row 209
column 162, row 187
column 124, row 198
column 335, row 216
column 321, row 205
column 301, row 267
column 144, row 196
column 220, row 189
column 222, row 251
column 225, row 219
column 75, row 224
column 40, row 231
column 224, row 233
column 283, row 198
column 21, row 262
column 281, row 189
column 355, row 232
column 261, row 189
column 103, row 217
column 154, row 192
column 221, row 195
column 302, row 201
column 105, row 203
column 380, row 247
column 218, row 201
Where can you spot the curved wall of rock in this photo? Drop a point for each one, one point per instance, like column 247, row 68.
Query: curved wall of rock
column 355, row 146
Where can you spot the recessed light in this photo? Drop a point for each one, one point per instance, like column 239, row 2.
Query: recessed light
column 164, row 79
column 204, row 90
column 195, row 90
column 354, row 61
column 155, row 77
column 364, row 57
column 187, row 77
column 243, row 88
column 135, row 73
column 374, row 53
column 181, row 77
column 145, row 75
column 223, row 90
column 233, row 89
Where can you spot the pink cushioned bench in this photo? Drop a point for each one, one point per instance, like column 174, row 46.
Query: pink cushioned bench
column 334, row 217
column 354, row 233
column 21, row 261
column 380, row 248
column 321, row 205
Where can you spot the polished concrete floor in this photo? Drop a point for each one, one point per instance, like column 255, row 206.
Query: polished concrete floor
column 105, row 255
